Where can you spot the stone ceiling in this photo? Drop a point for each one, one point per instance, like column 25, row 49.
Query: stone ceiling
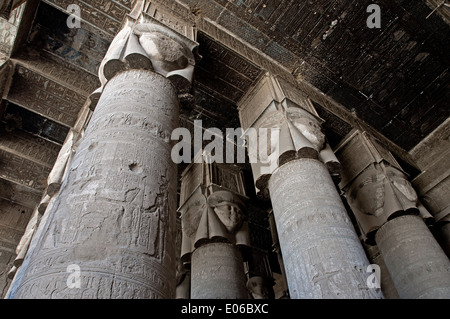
column 394, row 79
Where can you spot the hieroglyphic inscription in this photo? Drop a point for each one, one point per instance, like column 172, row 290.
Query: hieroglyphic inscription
column 106, row 15
column 22, row 171
column 115, row 214
column 46, row 97
column 8, row 30
column 8, row 33
column 19, row 194
column 30, row 147
column 62, row 72
column 134, row 278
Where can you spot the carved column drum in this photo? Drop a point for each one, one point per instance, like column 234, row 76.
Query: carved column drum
column 113, row 222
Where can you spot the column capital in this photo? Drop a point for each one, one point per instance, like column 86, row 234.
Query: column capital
column 220, row 217
column 212, row 206
column 154, row 40
column 281, row 124
column 374, row 184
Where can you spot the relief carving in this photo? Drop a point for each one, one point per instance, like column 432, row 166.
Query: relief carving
column 286, row 134
column 149, row 45
column 377, row 195
column 216, row 218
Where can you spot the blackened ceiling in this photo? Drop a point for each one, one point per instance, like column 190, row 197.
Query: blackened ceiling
column 395, row 78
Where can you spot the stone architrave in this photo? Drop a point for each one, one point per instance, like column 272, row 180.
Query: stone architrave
column 389, row 215
column 114, row 218
column 323, row 256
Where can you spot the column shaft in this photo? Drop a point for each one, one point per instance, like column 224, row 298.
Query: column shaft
column 114, row 217
column 417, row 264
column 323, row 256
column 442, row 234
column 218, row 272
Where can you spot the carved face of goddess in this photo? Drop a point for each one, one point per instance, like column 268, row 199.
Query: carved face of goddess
column 164, row 51
column 370, row 193
column 230, row 215
column 308, row 126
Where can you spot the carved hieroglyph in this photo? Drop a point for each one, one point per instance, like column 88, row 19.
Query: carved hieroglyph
column 388, row 213
column 417, row 264
column 115, row 214
column 377, row 194
column 213, row 226
column 322, row 254
column 218, row 272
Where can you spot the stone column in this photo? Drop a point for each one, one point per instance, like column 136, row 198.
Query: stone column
column 385, row 280
column 387, row 211
column 54, row 180
column 218, row 272
column 323, row 256
column 417, row 264
column 111, row 231
column 442, row 234
column 281, row 283
column 214, row 227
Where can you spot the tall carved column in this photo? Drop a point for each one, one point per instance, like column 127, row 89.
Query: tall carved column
column 214, row 227
column 283, row 287
column 54, row 180
column 387, row 210
column 322, row 254
column 114, row 217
